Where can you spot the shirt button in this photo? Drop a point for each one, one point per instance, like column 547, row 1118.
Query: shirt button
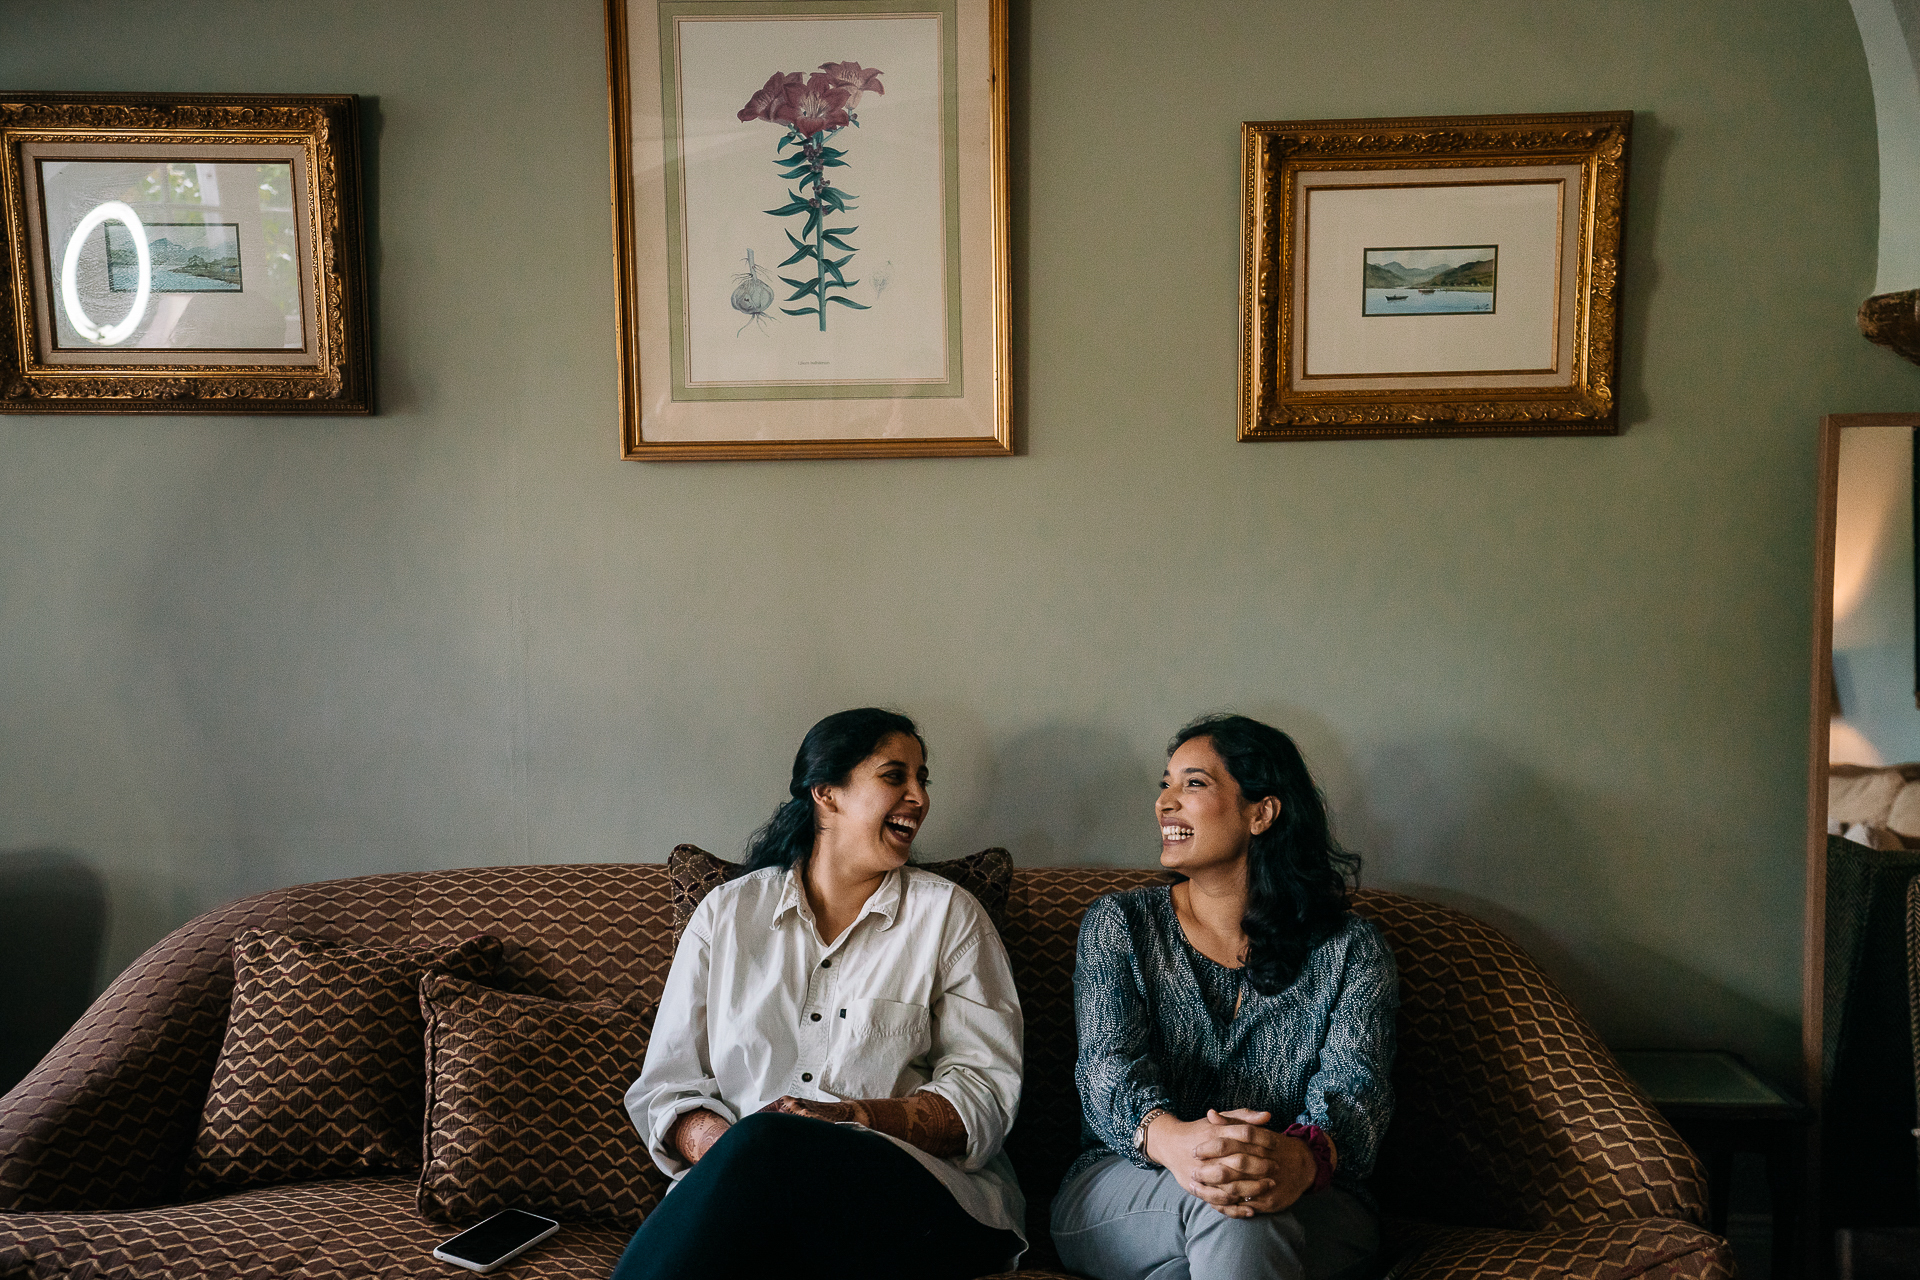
column 806, row 1077
column 826, row 964
column 816, row 1017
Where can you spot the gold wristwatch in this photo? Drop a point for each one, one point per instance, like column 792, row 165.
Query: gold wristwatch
column 1140, row 1131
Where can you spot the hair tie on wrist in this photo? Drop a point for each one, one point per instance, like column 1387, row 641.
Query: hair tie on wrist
column 1322, row 1149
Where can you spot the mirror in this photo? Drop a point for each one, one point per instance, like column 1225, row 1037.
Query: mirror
column 1863, row 828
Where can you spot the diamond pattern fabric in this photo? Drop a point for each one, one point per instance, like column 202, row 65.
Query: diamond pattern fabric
column 353, row 1229
column 524, row 1107
column 1518, row 1149
column 1657, row 1248
column 106, row 1120
column 1511, row 1112
column 322, row 1068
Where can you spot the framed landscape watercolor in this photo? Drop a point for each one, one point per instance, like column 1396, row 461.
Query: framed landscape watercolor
column 1454, row 275
column 181, row 253
column 810, row 227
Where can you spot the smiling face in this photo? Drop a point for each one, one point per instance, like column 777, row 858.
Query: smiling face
column 868, row 823
column 1205, row 823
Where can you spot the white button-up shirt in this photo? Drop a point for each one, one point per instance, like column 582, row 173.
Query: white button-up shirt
column 916, row 994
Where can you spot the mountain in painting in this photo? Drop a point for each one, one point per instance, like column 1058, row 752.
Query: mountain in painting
column 1468, row 275
column 1392, row 275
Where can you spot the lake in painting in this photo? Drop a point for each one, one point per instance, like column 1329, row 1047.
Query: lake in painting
column 197, row 257
column 1431, row 280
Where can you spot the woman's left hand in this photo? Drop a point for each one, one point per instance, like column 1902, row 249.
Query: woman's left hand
column 832, row 1112
column 1245, row 1149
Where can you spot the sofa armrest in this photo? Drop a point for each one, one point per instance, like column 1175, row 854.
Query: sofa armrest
column 107, row 1118
column 1655, row 1248
column 1511, row 1112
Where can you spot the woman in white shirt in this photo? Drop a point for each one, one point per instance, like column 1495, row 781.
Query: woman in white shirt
column 836, row 1058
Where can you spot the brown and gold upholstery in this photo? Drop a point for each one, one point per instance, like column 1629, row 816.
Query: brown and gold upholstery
column 525, row 1106
column 1518, row 1148
column 322, row 1074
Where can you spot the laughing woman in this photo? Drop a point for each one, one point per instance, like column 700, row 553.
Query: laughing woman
column 1236, row 1036
column 836, row 1058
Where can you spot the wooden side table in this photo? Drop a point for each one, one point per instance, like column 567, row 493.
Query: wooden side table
column 1722, row 1108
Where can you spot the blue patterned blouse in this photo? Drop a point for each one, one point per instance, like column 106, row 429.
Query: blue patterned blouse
column 1158, row 1029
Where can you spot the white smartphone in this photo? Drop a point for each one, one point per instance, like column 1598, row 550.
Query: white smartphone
column 501, row 1238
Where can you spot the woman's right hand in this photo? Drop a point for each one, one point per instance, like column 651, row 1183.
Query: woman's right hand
column 694, row 1132
column 1191, row 1150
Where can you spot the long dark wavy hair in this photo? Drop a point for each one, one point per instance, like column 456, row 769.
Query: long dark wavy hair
column 1297, row 874
column 826, row 757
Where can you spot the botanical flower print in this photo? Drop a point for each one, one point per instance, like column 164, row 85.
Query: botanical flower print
column 854, row 78
column 760, row 106
column 820, row 105
column 812, row 108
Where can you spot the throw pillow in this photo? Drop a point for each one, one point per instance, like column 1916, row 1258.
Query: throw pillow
column 525, row 1106
column 322, row 1071
column 987, row 875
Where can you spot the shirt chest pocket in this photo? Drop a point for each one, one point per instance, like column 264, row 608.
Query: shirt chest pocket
column 879, row 1048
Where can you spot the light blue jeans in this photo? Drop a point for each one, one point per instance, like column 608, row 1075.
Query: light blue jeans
column 1119, row 1222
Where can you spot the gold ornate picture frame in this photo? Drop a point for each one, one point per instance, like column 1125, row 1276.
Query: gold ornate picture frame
column 182, row 253
column 1441, row 276
column 810, row 227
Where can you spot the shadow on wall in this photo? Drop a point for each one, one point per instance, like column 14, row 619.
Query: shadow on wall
column 1459, row 822
column 1453, row 820
column 53, row 918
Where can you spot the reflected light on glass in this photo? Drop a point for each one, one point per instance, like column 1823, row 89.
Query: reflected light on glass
column 1847, row 745
column 105, row 335
column 1873, row 469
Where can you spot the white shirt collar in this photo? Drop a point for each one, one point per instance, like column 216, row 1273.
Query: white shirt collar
column 885, row 902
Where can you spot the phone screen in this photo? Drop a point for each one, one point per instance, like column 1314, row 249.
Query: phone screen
column 497, row 1236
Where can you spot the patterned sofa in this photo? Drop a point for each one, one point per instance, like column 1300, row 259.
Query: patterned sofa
column 1518, row 1148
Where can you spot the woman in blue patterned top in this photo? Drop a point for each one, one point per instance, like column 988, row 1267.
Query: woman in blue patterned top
column 1236, row 1036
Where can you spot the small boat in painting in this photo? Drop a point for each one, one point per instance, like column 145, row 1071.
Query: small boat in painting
column 1396, row 297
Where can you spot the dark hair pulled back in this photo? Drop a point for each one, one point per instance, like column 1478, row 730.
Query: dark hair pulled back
column 826, row 757
column 1297, row 874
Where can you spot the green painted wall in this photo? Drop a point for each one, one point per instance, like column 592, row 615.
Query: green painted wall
column 1561, row 682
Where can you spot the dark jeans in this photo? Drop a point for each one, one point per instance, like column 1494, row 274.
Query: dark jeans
column 783, row 1195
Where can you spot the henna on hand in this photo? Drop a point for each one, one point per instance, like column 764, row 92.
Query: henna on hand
column 694, row 1132
column 926, row 1120
column 814, row 1109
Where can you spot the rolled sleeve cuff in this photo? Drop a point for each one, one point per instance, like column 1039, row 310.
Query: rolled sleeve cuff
column 986, row 1128
column 663, row 1113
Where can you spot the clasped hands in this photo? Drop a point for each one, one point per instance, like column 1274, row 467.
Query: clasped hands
column 1232, row 1161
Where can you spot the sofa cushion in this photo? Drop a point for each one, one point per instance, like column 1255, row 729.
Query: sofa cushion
column 1857, row 793
column 320, row 1074
column 1903, row 816
column 524, row 1106
column 987, row 875
column 362, row 1228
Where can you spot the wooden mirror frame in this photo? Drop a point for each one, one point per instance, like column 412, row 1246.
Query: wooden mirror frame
column 1820, row 675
